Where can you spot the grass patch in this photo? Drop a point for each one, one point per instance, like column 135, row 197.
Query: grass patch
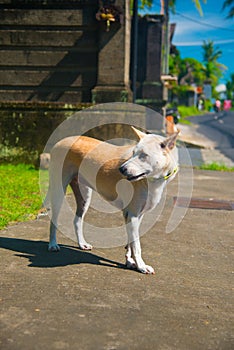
column 20, row 197
column 216, row 167
column 186, row 112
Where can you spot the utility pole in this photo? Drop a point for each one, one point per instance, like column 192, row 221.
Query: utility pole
column 135, row 46
column 166, row 49
column 165, row 56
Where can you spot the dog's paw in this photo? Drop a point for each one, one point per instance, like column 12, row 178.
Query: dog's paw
column 85, row 246
column 146, row 269
column 53, row 247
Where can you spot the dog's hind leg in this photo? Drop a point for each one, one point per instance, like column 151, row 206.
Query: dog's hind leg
column 57, row 190
column 56, row 198
column 130, row 262
column 83, row 198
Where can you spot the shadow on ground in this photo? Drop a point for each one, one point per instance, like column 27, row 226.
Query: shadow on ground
column 37, row 254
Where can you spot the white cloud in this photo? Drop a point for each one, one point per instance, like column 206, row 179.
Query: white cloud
column 221, row 88
column 189, row 32
column 200, row 42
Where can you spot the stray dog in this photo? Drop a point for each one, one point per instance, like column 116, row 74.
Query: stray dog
column 90, row 164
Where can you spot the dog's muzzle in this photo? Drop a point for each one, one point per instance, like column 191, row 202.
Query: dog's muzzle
column 131, row 177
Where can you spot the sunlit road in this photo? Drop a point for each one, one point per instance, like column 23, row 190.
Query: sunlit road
column 218, row 127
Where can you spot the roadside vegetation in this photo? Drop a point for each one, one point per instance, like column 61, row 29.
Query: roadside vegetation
column 20, row 197
column 191, row 72
column 216, row 167
column 186, row 112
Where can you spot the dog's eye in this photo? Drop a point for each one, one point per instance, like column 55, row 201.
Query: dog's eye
column 162, row 145
column 143, row 156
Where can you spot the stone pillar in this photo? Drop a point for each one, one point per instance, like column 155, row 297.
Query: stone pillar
column 114, row 58
column 152, row 87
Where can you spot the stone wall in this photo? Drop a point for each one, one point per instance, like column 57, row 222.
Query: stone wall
column 53, row 50
column 49, row 50
column 57, row 58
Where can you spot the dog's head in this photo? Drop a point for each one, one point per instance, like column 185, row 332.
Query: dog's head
column 153, row 157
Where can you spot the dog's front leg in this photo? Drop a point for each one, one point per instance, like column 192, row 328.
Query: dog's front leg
column 133, row 255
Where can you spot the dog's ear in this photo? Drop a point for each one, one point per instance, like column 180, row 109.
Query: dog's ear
column 170, row 141
column 138, row 133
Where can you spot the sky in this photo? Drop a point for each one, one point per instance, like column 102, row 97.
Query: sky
column 192, row 29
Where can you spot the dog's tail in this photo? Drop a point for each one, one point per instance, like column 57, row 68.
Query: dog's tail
column 44, row 165
column 45, row 207
column 44, row 161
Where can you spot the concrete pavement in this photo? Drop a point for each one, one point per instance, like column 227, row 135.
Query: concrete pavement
column 88, row 300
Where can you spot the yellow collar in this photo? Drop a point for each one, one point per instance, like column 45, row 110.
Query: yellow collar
column 166, row 177
column 172, row 173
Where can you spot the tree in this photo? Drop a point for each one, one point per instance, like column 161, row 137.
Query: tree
column 212, row 68
column 196, row 70
column 189, row 72
column 229, row 4
column 210, row 54
column 181, row 66
column 197, row 3
column 230, row 87
column 172, row 4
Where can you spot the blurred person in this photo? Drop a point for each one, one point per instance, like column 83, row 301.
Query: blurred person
column 217, row 105
column 227, row 104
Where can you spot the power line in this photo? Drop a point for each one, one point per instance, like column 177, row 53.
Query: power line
column 203, row 23
column 199, row 43
column 196, row 20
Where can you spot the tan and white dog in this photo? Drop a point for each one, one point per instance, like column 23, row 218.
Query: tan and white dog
column 89, row 164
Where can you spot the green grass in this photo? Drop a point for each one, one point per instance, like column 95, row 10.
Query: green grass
column 186, row 112
column 20, row 197
column 216, row 167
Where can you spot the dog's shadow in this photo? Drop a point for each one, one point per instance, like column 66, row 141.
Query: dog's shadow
column 37, row 254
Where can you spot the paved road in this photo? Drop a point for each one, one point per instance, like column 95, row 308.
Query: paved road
column 75, row 300
column 210, row 138
column 218, row 128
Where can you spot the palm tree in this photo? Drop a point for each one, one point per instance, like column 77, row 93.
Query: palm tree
column 210, row 54
column 212, row 68
column 230, row 87
column 229, row 4
column 197, row 3
column 172, row 4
